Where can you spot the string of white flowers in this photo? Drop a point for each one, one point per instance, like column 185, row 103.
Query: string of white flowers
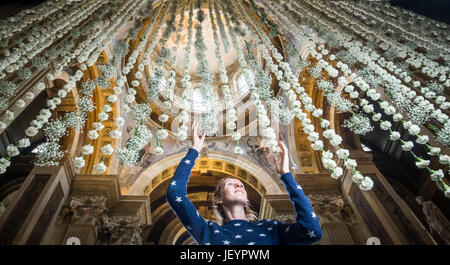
column 165, row 54
column 223, row 35
column 436, row 175
column 416, row 60
column 129, row 154
column 16, row 23
column 356, row 27
column 410, row 34
column 98, row 45
column 183, row 117
column 368, row 18
column 365, row 183
column 231, row 114
column 107, row 72
column 384, row 75
column 208, row 122
column 162, row 133
column 40, row 120
column 48, row 153
column 20, row 56
column 8, row 88
column 393, row 68
column 268, row 132
column 156, row 77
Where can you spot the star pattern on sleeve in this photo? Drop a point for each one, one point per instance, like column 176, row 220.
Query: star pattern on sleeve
column 187, row 162
column 249, row 230
column 299, row 187
column 269, row 228
column 226, row 242
column 262, row 235
column 287, row 229
column 173, row 183
column 251, row 243
column 216, row 231
column 313, row 215
column 237, row 236
column 238, row 224
column 311, row 234
column 188, row 227
column 178, row 199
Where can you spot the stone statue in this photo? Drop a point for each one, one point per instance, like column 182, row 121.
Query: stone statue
column 436, row 219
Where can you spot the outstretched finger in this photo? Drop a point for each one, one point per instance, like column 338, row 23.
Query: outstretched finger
column 194, row 129
column 282, row 146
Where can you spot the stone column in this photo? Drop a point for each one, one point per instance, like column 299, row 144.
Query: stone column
column 84, row 214
column 30, row 217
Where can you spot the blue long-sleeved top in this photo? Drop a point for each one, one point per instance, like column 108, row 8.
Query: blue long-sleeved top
column 241, row 232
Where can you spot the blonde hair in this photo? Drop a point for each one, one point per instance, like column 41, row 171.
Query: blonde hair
column 250, row 215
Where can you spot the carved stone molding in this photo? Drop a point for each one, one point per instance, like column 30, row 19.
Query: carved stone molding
column 84, row 209
column 120, row 230
column 332, row 207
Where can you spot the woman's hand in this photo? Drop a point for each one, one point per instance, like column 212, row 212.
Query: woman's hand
column 197, row 142
column 282, row 160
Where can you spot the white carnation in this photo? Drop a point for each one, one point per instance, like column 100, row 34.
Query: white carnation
column 12, row 150
column 98, row 126
column 163, row 117
column 115, row 133
column 350, row 163
column 119, row 121
column 87, row 149
column 337, row 172
column 158, row 150
column 423, row 163
column 103, row 116
column 92, row 134
column 24, row 142
column 31, row 131
column 444, row 159
column 100, row 167
column 162, row 134
column 407, row 146
column 317, row 145
column 422, row 139
column 437, row 175
column 78, row 162
column 342, row 153
column 366, row 184
column 107, row 149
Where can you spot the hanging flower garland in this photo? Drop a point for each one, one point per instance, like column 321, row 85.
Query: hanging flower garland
column 129, row 154
column 231, row 114
column 365, row 183
column 421, row 106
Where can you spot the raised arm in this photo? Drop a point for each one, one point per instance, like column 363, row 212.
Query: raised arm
column 176, row 194
column 307, row 228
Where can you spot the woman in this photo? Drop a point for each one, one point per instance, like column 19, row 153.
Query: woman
column 230, row 198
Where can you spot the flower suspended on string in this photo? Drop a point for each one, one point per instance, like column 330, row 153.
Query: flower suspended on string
column 87, row 149
column 79, row 162
column 107, row 149
column 158, row 150
column 100, row 167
